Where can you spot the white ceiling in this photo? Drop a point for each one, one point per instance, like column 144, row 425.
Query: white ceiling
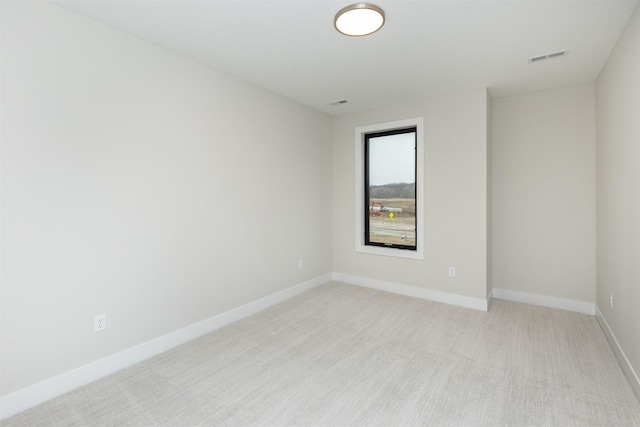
column 425, row 48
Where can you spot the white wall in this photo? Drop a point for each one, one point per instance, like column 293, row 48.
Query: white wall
column 618, row 189
column 143, row 185
column 489, row 195
column 543, row 165
column 455, row 128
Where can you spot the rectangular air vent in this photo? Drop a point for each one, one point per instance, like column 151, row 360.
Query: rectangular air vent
column 549, row 56
column 557, row 54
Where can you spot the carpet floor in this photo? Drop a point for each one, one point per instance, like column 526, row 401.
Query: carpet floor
column 342, row 355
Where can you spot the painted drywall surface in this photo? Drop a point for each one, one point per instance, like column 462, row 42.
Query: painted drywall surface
column 618, row 190
column 544, row 193
column 455, row 128
column 489, row 197
column 143, row 185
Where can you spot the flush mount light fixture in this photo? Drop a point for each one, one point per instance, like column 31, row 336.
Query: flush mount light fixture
column 359, row 19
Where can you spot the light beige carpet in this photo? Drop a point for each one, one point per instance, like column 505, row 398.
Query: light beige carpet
column 343, row 355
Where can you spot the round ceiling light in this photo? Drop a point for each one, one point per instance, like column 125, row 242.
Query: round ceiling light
column 359, row 19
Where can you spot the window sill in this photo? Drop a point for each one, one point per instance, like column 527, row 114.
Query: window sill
column 393, row 252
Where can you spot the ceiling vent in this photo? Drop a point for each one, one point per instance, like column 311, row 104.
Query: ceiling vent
column 549, row 56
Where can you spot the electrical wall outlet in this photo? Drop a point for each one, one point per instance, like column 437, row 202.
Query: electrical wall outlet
column 452, row 272
column 611, row 300
column 100, row 323
column 300, row 263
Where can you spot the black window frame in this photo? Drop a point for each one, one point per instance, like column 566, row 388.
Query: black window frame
column 367, row 201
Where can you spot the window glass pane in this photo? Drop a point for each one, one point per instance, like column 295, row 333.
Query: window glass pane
column 391, row 189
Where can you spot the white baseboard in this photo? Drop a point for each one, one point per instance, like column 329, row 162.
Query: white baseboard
column 38, row 393
column 490, row 299
column 413, row 291
column 628, row 370
column 545, row 301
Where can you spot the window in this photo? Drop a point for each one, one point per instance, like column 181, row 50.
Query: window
column 389, row 171
column 390, row 188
